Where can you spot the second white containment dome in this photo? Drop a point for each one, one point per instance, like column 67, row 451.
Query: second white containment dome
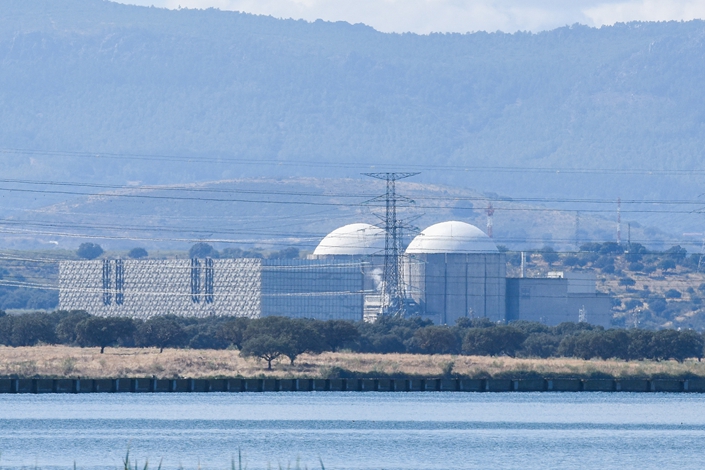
column 456, row 271
column 452, row 237
column 352, row 240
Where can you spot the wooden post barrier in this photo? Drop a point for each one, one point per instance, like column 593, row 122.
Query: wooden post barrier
column 147, row 385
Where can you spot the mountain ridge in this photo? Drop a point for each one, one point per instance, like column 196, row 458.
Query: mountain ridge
column 98, row 77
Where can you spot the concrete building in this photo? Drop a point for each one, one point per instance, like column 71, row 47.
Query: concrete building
column 214, row 287
column 454, row 270
column 339, row 282
column 451, row 270
column 364, row 244
column 145, row 288
column 562, row 297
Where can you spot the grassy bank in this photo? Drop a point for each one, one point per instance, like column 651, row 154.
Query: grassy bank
column 72, row 362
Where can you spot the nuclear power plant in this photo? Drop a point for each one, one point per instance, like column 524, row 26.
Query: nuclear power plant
column 450, row 270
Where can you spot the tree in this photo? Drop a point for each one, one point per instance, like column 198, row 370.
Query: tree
column 603, row 344
column 549, row 255
column 389, row 334
column 299, row 338
column 493, row 341
column 678, row 345
column 663, row 343
column 66, row 328
column 666, row 264
column 233, row 331
column 571, row 261
column 657, row 305
column 31, row 328
column 672, row 294
column 640, row 345
column 6, row 322
column 540, row 345
column 202, row 250
column 568, row 328
column 89, row 250
column 481, row 322
column 531, row 327
column 566, row 348
column 137, row 253
column 207, row 339
column 265, row 338
column 265, row 347
column 271, row 337
column 286, row 253
column 591, row 247
column 435, row 340
column 635, row 253
column 161, row 332
column 690, row 344
column 676, row 253
column 239, row 253
column 337, row 334
column 104, row 332
column 635, row 266
column 611, row 248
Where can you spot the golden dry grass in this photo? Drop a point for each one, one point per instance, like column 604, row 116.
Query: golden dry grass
column 66, row 361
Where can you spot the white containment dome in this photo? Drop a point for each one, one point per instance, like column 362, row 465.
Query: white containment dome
column 352, row 240
column 452, row 237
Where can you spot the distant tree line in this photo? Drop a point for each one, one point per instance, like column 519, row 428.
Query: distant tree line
column 271, row 338
column 198, row 250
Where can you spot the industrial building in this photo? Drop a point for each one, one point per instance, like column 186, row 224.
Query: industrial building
column 560, row 297
column 214, row 287
column 454, row 270
column 451, row 270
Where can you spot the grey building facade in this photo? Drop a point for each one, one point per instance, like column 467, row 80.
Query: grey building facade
column 454, row 270
column 213, row 287
column 556, row 300
column 449, row 286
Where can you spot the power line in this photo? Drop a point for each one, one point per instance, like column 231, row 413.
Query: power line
column 334, row 204
column 352, row 165
column 185, row 188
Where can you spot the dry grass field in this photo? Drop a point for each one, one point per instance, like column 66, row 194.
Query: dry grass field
column 66, row 361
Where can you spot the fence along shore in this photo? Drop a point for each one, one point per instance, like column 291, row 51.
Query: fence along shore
column 150, row 385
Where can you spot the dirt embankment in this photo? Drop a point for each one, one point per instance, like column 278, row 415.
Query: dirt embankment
column 72, row 362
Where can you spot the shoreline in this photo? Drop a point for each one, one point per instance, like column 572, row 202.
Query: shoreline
column 73, row 363
column 146, row 385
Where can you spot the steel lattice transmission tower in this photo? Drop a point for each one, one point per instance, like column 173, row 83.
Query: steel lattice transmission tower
column 393, row 288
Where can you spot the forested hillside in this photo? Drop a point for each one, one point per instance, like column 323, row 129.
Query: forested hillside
column 234, row 93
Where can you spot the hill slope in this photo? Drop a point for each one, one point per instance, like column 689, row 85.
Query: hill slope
column 243, row 95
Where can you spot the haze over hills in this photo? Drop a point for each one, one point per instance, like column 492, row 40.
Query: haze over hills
column 169, row 97
column 299, row 212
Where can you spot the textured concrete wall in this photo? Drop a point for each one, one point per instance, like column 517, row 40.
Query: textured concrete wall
column 320, row 289
column 161, row 287
column 452, row 286
column 548, row 301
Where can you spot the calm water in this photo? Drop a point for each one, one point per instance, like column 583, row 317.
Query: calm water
column 356, row 430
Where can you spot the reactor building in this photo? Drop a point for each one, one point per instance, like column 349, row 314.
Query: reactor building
column 454, row 271
column 451, row 270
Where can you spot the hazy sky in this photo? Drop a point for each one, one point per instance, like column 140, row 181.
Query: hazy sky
column 424, row 16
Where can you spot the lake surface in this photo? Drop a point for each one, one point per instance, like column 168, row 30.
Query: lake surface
column 355, row 430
